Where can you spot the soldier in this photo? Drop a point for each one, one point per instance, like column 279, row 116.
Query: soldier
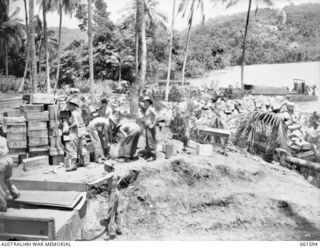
column 77, row 130
column 112, row 222
column 6, row 165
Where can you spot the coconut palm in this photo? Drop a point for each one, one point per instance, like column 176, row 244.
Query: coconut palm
column 32, row 46
column 282, row 18
column 170, row 49
column 11, row 35
column 264, row 127
column 188, row 7
column 45, row 5
column 20, row 88
column 153, row 17
column 90, row 43
column 67, row 7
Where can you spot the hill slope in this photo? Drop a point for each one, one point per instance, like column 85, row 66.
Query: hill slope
column 69, row 34
column 218, row 43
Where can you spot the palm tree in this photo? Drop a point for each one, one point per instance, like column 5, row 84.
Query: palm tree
column 45, row 41
column 256, row 126
column 20, row 88
column 32, row 46
column 282, row 15
column 170, row 49
column 11, row 34
column 153, row 17
column 90, row 44
column 184, row 8
column 68, row 7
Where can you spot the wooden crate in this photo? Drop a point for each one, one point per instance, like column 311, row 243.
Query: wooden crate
column 38, row 154
column 38, row 141
column 38, row 116
column 36, row 125
column 17, row 150
column 12, row 113
column 201, row 149
column 56, row 160
column 17, row 144
column 29, row 108
column 17, row 129
column 42, row 98
column 38, row 133
column 35, row 163
column 10, row 121
column 17, row 136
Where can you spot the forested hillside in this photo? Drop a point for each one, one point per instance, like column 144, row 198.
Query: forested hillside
column 218, row 42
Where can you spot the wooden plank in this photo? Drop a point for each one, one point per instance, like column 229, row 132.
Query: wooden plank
column 17, row 144
column 36, row 125
column 63, row 199
column 35, row 163
column 17, row 150
column 38, row 141
column 215, row 131
column 17, row 129
column 46, row 185
column 38, row 148
column 38, row 133
column 42, row 98
column 39, row 116
column 17, row 136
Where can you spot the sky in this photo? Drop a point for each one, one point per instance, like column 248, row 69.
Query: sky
column 165, row 6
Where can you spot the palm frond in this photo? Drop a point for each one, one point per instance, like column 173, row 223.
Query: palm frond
column 264, row 127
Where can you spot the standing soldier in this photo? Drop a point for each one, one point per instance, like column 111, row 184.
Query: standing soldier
column 77, row 130
column 112, row 222
column 150, row 118
column 6, row 165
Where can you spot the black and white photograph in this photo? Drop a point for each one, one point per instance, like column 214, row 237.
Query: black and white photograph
column 159, row 120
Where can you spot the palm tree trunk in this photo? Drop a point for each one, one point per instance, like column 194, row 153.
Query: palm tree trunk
column 32, row 46
column 134, row 93
column 244, row 47
column 142, row 42
column 186, row 55
column 7, row 62
column 170, row 51
column 188, row 41
column 45, row 45
column 20, row 88
column 59, row 46
column 120, row 69
column 90, row 44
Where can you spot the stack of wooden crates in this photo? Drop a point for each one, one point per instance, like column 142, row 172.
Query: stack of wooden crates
column 16, row 137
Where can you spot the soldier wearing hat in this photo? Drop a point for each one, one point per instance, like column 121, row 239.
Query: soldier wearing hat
column 77, row 130
column 150, row 118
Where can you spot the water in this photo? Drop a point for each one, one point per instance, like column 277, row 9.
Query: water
column 275, row 75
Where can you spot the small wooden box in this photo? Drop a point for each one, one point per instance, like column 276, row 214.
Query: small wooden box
column 17, row 129
column 56, row 159
column 38, row 133
column 42, row 98
column 32, row 108
column 17, row 144
column 35, row 163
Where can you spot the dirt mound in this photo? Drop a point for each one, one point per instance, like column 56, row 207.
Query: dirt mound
column 219, row 198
